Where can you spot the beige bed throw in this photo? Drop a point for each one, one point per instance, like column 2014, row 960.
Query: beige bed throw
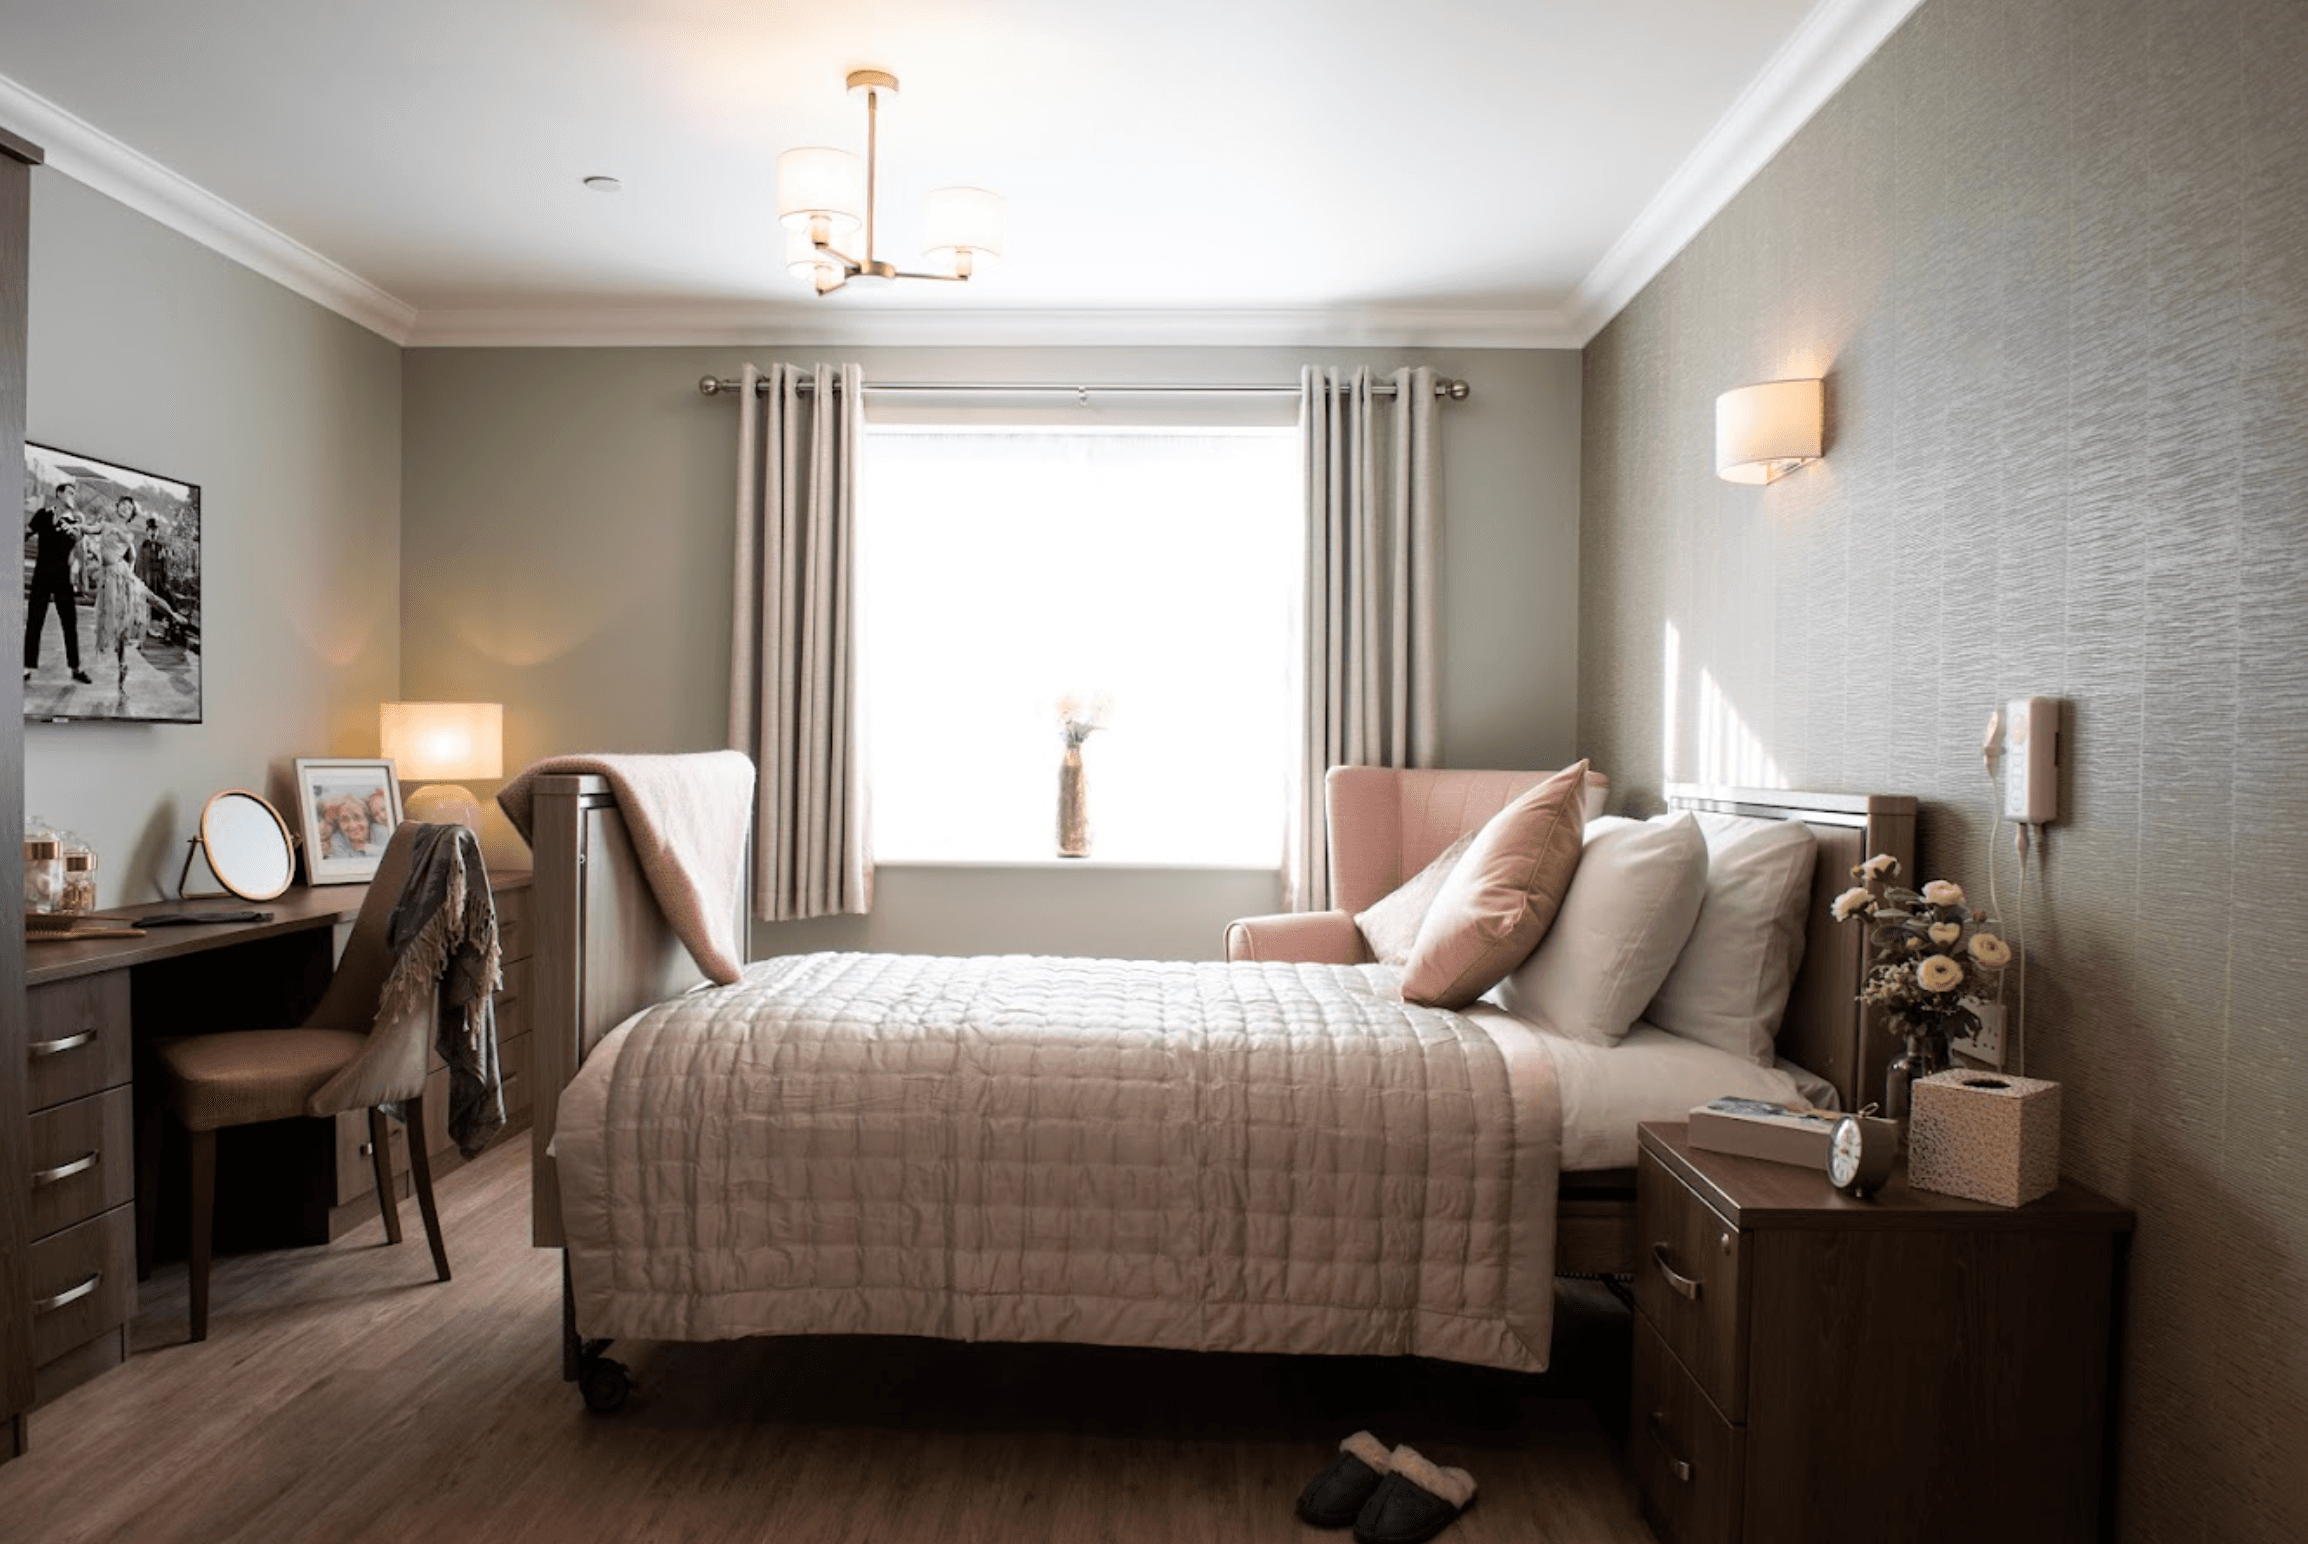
column 688, row 817
column 1235, row 1157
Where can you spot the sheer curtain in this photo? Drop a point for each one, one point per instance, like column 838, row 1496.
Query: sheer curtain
column 1368, row 667
column 793, row 669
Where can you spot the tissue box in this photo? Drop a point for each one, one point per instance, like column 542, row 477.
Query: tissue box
column 1985, row 1137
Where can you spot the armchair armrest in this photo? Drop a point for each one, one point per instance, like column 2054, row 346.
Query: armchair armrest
column 1308, row 937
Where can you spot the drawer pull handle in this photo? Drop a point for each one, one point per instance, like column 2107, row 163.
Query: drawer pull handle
column 1680, row 1468
column 59, row 1047
column 68, row 1295
column 1686, row 1285
column 64, row 1171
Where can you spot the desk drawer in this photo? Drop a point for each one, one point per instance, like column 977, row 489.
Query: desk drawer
column 356, row 1170
column 79, row 1038
column 83, row 1282
column 1689, row 1463
column 512, row 923
column 1689, row 1282
column 83, row 1160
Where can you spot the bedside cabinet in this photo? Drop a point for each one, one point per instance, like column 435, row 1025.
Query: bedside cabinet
column 1911, row 1367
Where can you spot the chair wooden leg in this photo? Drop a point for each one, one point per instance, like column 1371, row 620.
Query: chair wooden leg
column 421, row 1170
column 151, row 1132
column 381, row 1155
column 203, row 1224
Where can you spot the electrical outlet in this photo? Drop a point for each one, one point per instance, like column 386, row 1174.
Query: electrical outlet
column 1986, row 1042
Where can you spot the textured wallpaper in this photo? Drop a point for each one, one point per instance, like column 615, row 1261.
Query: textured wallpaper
column 2052, row 258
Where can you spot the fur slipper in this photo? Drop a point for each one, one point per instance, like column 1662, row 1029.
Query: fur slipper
column 1417, row 1500
column 1335, row 1497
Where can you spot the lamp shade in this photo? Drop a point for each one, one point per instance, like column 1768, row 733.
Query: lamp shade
column 1763, row 432
column 816, row 183
column 968, row 220
column 442, row 741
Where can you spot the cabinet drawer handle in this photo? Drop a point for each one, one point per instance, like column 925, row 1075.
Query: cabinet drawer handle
column 1680, row 1469
column 79, row 1165
column 1686, row 1285
column 58, row 1047
column 68, row 1295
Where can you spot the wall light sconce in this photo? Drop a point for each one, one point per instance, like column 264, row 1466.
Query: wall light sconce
column 1764, row 432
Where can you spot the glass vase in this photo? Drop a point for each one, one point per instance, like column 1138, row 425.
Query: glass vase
column 1073, row 806
column 1925, row 1054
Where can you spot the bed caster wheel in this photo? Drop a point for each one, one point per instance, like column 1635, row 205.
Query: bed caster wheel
column 605, row 1385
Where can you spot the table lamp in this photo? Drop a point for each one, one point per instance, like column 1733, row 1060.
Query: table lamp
column 436, row 742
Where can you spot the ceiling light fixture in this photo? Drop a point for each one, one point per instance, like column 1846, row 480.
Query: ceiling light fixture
column 823, row 202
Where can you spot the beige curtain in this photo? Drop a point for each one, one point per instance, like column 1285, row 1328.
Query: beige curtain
column 793, row 668
column 1368, row 670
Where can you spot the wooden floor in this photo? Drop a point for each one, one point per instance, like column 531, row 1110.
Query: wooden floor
column 343, row 1395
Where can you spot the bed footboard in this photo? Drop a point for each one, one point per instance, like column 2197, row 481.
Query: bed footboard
column 603, row 952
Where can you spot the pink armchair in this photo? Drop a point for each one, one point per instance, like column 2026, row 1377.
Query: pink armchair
column 1386, row 824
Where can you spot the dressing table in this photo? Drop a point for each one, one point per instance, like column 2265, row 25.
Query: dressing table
column 91, row 1001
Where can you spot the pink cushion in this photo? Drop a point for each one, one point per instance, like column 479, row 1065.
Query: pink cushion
column 1390, row 924
column 1502, row 897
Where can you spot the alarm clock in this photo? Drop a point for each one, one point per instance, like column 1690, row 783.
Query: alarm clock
column 1860, row 1153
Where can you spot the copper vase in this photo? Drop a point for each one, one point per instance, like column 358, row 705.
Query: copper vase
column 1073, row 807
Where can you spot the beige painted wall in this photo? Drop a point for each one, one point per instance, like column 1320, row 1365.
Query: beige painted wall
column 153, row 351
column 2052, row 256
column 566, row 537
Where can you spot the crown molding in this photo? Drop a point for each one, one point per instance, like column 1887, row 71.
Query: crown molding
column 88, row 155
column 829, row 323
column 1826, row 49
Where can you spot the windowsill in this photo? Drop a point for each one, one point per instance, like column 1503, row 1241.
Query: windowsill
column 1106, row 864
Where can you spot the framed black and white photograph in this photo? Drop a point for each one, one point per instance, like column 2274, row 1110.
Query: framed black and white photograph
column 346, row 810
column 111, row 591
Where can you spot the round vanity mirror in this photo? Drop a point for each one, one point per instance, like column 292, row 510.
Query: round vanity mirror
column 247, row 845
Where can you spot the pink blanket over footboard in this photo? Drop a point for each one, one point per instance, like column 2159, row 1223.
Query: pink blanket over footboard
column 1241, row 1157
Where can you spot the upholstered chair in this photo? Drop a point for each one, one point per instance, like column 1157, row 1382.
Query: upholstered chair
column 339, row 1059
column 1386, row 823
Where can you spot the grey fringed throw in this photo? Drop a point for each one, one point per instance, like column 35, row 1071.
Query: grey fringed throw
column 443, row 939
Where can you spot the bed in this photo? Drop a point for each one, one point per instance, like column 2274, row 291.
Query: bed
column 1196, row 1155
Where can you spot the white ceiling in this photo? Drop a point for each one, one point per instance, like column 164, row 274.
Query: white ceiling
column 1463, row 171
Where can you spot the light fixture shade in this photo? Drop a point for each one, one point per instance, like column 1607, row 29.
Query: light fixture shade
column 1763, row 432
column 441, row 741
column 968, row 220
column 816, row 183
column 803, row 259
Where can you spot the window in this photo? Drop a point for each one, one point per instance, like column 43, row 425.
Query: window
column 1002, row 568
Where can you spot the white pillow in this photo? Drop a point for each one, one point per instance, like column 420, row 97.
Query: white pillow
column 1630, row 906
column 1729, row 988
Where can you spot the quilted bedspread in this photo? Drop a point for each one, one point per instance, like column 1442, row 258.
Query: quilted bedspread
column 1243, row 1157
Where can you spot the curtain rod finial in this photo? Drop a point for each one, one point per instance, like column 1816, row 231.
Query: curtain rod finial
column 710, row 386
column 1455, row 390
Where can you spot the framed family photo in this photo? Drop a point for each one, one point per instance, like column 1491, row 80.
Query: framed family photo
column 111, row 591
column 346, row 809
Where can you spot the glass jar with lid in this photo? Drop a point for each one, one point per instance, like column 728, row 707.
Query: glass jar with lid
column 43, row 867
column 78, row 895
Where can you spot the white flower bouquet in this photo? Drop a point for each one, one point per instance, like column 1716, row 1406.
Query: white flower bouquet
column 1933, row 955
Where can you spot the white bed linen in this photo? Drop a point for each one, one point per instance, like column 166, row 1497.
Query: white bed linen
column 1650, row 1075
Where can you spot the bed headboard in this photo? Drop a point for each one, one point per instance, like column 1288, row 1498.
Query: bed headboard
column 1826, row 1030
column 603, row 952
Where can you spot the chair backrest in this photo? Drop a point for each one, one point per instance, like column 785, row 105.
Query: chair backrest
column 392, row 1068
column 1387, row 823
column 351, row 999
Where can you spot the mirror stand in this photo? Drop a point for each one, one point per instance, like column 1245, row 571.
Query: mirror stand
column 194, row 847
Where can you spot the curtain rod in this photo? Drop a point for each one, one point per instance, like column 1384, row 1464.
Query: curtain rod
column 716, row 386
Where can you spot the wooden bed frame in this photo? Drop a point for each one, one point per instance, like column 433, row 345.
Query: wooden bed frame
column 603, row 952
